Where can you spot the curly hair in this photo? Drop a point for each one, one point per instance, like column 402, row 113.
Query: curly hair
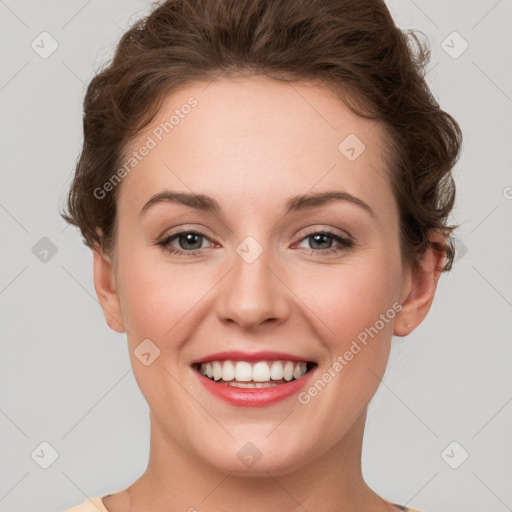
column 356, row 50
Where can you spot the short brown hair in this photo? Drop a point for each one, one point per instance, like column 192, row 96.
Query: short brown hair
column 353, row 48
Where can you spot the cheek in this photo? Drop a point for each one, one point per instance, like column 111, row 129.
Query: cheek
column 159, row 301
column 349, row 298
column 356, row 303
column 159, row 298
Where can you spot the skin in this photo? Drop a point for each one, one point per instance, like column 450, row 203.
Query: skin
column 251, row 143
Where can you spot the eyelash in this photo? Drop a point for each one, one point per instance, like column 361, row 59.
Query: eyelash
column 345, row 243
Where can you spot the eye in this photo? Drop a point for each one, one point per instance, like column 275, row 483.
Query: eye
column 190, row 242
column 321, row 243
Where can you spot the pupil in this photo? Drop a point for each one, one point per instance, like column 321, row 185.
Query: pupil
column 315, row 237
column 189, row 239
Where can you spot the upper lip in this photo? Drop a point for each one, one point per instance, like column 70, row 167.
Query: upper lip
column 236, row 355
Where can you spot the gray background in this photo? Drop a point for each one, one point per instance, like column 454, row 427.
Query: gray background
column 66, row 377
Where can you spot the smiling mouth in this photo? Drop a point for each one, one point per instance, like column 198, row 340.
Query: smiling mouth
column 258, row 374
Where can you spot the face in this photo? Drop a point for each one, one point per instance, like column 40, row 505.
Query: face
column 262, row 275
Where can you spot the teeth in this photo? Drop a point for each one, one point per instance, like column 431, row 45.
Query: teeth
column 228, row 370
column 261, row 372
column 257, row 372
column 243, row 371
column 276, row 370
column 236, row 384
column 217, row 370
column 297, row 372
column 288, row 370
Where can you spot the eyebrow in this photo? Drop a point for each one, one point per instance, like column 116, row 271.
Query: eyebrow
column 297, row 203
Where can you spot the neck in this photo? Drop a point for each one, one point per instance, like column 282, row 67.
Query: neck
column 179, row 480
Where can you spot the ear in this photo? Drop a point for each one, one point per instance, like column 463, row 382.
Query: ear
column 105, row 285
column 420, row 283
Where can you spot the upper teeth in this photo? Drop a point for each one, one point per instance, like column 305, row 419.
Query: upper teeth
column 261, row 371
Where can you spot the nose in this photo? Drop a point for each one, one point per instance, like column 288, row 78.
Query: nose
column 253, row 293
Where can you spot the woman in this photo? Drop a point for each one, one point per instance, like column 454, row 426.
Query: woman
column 265, row 187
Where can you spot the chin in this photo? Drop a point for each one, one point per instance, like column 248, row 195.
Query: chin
column 256, row 459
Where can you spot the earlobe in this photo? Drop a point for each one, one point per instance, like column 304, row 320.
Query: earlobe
column 421, row 284
column 105, row 286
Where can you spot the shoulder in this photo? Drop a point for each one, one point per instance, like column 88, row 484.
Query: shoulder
column 94, row 504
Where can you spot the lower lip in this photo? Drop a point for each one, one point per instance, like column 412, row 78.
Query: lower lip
column 254, row 397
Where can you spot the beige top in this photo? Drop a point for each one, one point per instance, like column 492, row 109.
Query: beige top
column 95, row 504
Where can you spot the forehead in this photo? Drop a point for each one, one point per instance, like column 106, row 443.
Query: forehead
column 255, row 139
